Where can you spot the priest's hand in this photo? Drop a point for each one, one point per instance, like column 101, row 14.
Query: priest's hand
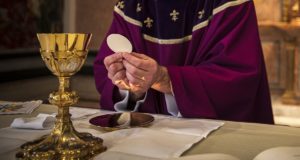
column 143, row 73
column 116, row 71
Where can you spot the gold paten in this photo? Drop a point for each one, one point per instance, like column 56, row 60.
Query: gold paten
column 64, row 55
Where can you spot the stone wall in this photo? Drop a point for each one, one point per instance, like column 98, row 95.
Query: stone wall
column 272, row 42
column 91, row 16
column 268, row 10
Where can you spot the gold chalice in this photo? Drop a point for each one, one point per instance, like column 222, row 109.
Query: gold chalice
column 64, row 55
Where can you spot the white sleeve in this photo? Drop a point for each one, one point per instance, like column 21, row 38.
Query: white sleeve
column 172, row 105
column 123, row 104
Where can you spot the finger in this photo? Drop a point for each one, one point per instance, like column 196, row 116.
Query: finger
column 120, row 80
column 133, row 80
column 119, row 76
column 115, row 67
column 139, row 55
column 112, row 59
column 136, row 61
column 122, row 85
column 126, row 85
column 134, row 71
column 110, row 76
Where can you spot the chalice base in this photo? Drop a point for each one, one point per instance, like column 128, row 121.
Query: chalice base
column 74, row 145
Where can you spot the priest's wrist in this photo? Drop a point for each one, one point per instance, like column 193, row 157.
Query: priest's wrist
column 162, row 83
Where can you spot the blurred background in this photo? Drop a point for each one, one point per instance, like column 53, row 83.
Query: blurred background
column 23, row 75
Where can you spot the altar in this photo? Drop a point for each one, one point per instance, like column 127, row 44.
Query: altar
column 241, row 140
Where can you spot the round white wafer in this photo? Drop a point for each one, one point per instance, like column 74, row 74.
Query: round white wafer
column 119, row 43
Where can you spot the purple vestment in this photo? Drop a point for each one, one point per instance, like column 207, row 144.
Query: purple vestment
column 211, row 49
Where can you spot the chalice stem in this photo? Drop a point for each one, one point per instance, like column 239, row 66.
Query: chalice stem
column 63, row 118
column 63, row 121
column 64, row 84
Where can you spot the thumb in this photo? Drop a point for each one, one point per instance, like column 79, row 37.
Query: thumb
column 137, row 55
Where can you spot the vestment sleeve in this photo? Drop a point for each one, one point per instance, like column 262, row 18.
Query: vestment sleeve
column 226, row 73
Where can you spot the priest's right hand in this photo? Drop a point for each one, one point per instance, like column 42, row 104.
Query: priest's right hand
column 116, row 71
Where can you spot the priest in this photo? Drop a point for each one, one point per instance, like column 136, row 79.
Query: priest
column 194, row 59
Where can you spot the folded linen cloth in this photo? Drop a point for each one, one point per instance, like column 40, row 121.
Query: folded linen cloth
column 168, row 137
column 19, row 107
column 193, row 127
column 46, row 121
column 42, row 121
column 155, row 144
column 121, row 156
column 81, row 113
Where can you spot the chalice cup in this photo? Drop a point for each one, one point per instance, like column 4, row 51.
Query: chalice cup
column 64, row 54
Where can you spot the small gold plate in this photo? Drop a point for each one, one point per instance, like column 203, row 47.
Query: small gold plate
column 108, row 122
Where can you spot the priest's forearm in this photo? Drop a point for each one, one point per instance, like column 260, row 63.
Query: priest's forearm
column 163, row 83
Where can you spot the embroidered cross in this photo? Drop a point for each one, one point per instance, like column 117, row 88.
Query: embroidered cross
column 121, row 4
column 201, row 14
column 138, row 7
column 174, row 15
column 148, row 22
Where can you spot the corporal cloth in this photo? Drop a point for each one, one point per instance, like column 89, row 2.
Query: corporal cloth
column 211, row 49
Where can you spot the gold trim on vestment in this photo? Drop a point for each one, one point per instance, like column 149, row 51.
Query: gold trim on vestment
column 167, row 41
column 126, row 18
column 217, row 10
column 183, row 39
column 200, row 25
column 227, row 5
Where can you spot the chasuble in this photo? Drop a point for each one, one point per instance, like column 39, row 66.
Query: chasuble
column 211, row 49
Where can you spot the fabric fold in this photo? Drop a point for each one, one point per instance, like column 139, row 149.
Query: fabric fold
column 42, row 121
